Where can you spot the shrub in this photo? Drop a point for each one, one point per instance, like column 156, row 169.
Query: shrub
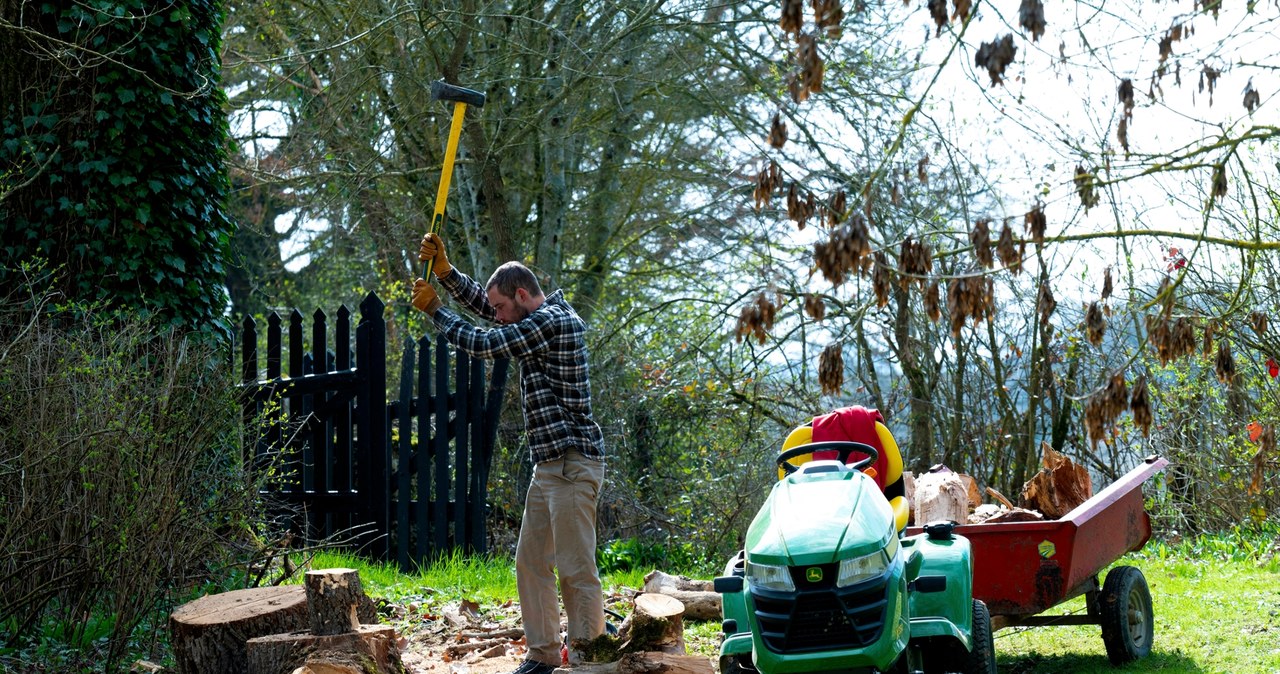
column 121, row 476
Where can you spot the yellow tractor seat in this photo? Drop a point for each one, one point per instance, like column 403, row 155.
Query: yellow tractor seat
column 891, row 482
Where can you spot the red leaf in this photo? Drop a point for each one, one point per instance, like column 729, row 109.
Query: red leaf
column 1273, row 368
column 1255, row 431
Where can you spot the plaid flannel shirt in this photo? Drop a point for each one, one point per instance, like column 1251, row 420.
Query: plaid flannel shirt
column 549, row 344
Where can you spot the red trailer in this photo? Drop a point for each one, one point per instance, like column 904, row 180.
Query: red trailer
column 1020, row 569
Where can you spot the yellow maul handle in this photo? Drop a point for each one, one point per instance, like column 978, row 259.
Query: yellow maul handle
column 446, row 173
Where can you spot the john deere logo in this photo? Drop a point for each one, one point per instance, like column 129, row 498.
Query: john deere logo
column 813, row 574
column 1047, row 549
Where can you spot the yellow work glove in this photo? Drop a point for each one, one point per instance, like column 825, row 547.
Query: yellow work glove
column 425, row 297
column 432, row 248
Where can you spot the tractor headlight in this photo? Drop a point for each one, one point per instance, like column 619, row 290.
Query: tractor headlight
column 866, row 567
column 769, row 577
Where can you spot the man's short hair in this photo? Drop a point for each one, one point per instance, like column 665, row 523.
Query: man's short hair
column 514, row 275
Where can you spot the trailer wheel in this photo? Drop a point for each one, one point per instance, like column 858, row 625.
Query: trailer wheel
column 982, row 657
column 1125, row 607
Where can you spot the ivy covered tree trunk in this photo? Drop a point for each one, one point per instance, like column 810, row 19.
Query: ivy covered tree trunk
column 112, row 153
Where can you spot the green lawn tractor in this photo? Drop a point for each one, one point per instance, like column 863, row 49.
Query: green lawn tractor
column 826, row 581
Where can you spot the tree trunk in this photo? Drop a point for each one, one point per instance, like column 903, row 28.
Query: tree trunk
column 208, row 635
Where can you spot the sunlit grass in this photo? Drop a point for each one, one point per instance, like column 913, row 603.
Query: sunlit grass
column 1210, row 616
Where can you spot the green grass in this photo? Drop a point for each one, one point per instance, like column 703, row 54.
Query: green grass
column 1210, row 616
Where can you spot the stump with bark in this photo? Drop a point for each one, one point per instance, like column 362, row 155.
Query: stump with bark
column 337, row 641
column 208, row 635
column 655, row 625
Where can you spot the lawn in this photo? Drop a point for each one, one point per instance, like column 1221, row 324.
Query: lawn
column 1215, row 611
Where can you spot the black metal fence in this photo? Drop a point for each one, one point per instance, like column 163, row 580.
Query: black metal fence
column 410, row 473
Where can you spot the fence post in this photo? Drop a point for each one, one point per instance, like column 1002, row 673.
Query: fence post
column 404, row 455
column 424, row 550
column 372, row 440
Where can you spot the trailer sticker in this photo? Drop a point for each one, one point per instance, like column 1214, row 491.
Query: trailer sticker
column 1047, row 549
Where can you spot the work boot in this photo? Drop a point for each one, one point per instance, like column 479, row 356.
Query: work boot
column 533, row 667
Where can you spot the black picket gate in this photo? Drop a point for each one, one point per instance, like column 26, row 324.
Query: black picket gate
column 408, row 476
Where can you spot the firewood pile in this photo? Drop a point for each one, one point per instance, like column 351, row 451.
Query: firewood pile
column 944, row 495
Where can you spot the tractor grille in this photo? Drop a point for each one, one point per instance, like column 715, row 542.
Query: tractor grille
column 819, row 616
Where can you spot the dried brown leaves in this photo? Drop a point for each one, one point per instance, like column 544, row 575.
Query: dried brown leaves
column 1140, row 405
column 1031, row 18
column 777, row 132
column 938, row 11
column 815, row 307
column 980, row 237
column 1225, row 364
column 809, row 79
column 831, row 369
column 843, row 250
column 767, row 183
column 1010, row 255
column 1266, row 447
column 1085, row 182
column 1045, row 304
column 932, row 301
column 1172, row 338
column 1252, row 98
column 828, row 14
column 800, row 208
column 881, row 279
column 969, row 297
column 1219, row 189
column 1259, row 322
column 1107, row 286
column 995, row 56
column 792, row 16
column 757, row 316
column 915, row 261
column 1095, row 325
column 1209, row 77
column 1125, row 93
column 1035, row 223
column 1104, row 407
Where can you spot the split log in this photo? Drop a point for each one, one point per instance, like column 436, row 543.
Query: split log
column 368, row 649
column 909, row 490
column 700, row 600
column 654, row 625
column 971, row 490
column 333, row 596
column 1059, row 487
column 941, row 496
column 455, row 651
column 208, row 635
column 647, row 663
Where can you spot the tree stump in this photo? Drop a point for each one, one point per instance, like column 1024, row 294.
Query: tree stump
column 333, row 597
column 208, row 635
column 337, row 642
column 654, row 625
column 700, row 601
column 369, row 649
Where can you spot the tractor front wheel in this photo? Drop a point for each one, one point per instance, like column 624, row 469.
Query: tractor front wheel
column 1125, row 607
column 982, row 657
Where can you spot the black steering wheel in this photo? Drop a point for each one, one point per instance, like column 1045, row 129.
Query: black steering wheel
column 842, row 448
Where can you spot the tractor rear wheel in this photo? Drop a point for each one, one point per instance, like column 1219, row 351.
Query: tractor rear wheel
column 982, row 657
column 1125, row 610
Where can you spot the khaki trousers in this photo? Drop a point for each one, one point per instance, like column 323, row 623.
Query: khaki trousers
column 558, row 533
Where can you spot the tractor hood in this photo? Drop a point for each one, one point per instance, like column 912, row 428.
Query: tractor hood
column 819, row 518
